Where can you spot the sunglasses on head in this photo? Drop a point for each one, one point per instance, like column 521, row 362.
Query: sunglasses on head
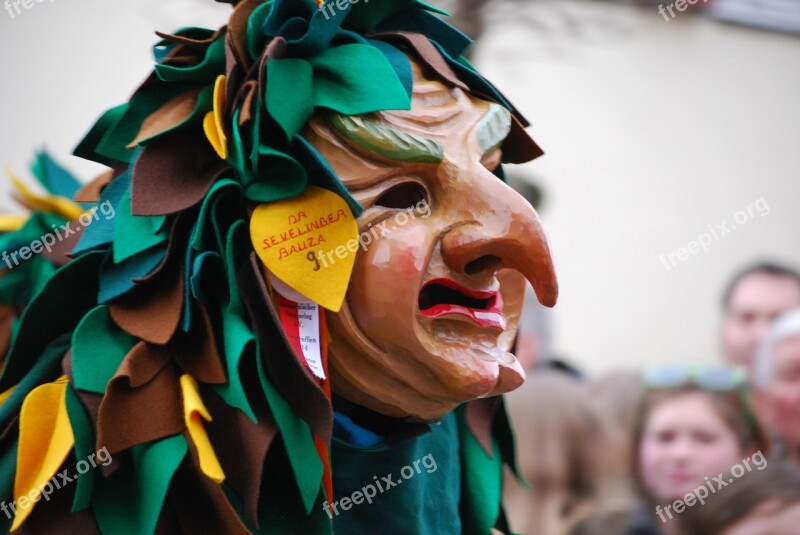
column 719, row 379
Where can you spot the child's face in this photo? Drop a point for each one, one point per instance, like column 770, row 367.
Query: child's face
column 684, row 440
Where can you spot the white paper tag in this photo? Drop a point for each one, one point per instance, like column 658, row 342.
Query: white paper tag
column 308, row 328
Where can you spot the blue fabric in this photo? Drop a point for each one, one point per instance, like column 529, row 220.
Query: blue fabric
column 348, row 431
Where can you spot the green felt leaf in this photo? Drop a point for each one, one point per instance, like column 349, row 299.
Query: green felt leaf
column 255, row 36
column 51, row 313
column 279, row 177
column 432, row 9
column 365, row 16
column 213, row 64
column 203, row 233
column 296, row 435
column 503, row 431
column 356, row 79
column 88, row 146
column 26, row 277
column 41, row 272
column 481, row 482
column 54, row 178
column 134, row 234
column 8, row 469
column 130, row 501
column 290, row 93
column 118, row 279
column 282, row 513
column 236, row 150
column 399, row 62
column 237, row 336
column 101, row 232
column 98, row 349
column 84, row 446
column 47, row 368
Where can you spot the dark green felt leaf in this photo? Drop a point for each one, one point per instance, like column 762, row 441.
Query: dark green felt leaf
column 98, row 349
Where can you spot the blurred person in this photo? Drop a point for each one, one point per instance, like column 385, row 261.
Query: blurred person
column 533, row 337
column 693, row 424
column 618, row 395
column 751, row 302
column 777, row 382
column 763, row 502
column 564, row 449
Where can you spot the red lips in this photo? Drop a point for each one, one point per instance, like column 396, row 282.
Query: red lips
column 445, row 297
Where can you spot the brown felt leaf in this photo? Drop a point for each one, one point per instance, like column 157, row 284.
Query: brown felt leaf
column 200, row 504
column 174, row 173
column 168, row 116
column 176, row 246
column 427, row 53
column 237, row 29
column 131, row 415
column 249, row 96
column 519, row 147
column 61, row 253
column 152, row 312
column 55, row 515
column 90, row 192
column 197, row 353
column 241, row 446
column 202, row 43
column 6, row 323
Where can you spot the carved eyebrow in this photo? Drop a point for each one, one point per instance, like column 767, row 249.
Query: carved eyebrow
column 386, row 141
column 493, row 129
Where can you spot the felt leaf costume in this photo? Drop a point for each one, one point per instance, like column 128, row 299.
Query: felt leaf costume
column 169, row 339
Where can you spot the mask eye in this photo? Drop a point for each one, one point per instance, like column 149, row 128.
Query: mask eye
column 403, row 196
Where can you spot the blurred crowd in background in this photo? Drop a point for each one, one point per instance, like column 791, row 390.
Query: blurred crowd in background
column 673, row 449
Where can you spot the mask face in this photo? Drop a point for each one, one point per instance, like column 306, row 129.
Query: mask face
column 434, row 300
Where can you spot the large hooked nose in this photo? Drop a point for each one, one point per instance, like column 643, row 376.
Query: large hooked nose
column 506, row 234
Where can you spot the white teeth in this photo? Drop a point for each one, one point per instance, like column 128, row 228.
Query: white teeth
column 491, row 316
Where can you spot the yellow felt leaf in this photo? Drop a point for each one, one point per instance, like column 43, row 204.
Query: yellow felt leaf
column 45, row 440
column 53, row 204
column 5, row 395
column 213, row 121
column 10, row 223
column 309, row 242
column 194, row 412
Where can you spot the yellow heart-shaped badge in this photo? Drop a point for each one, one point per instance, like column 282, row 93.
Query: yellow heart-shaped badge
column 309, row 242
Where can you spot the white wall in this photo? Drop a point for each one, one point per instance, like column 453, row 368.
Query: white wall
column 653, row 130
